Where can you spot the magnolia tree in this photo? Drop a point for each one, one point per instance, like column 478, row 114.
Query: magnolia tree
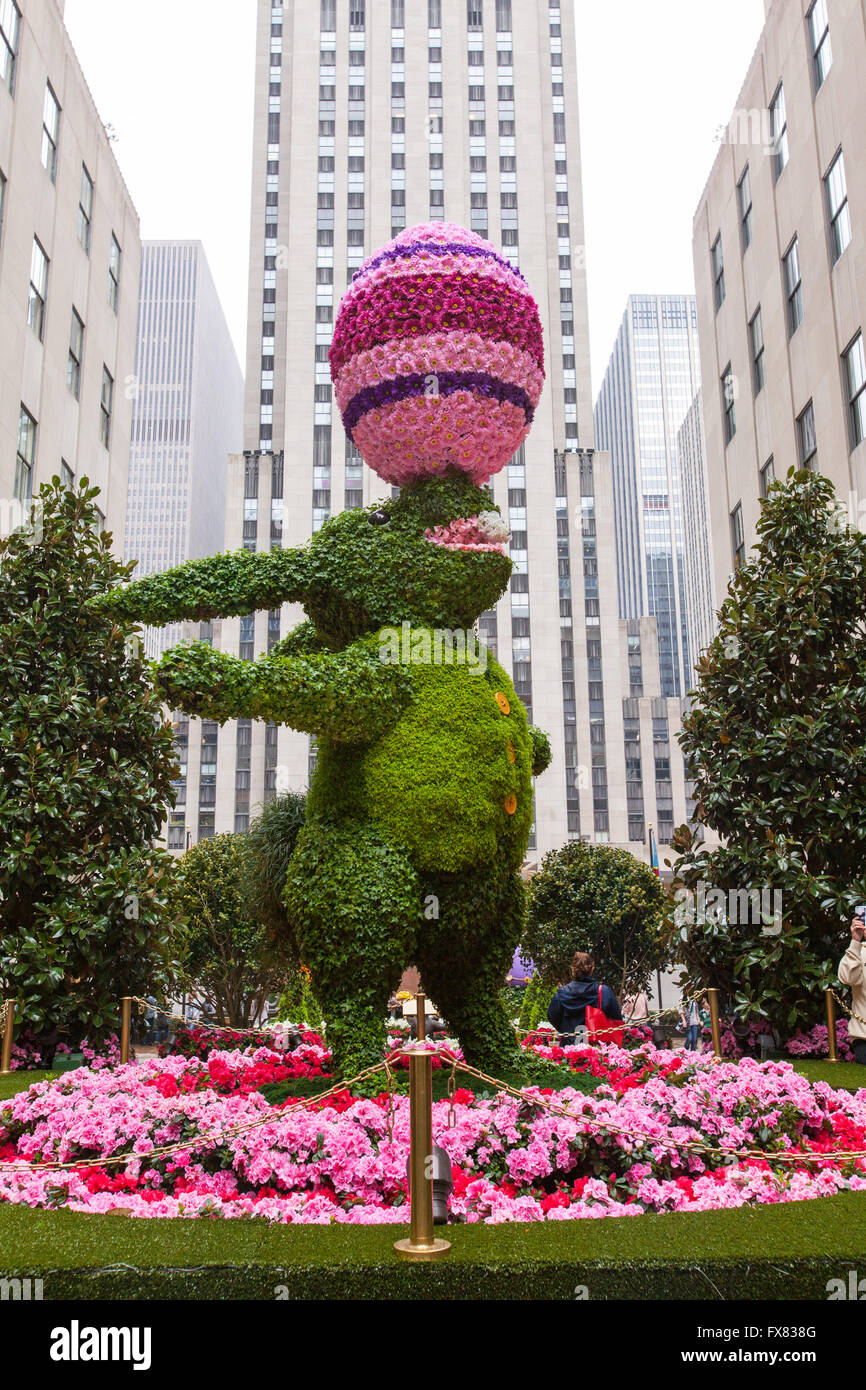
column 229, row 965
column 776, row 743
column 86, row 768
column 598, row 899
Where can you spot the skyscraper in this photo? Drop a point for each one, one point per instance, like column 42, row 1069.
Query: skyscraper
column 187, row 416
column 458, row 111
column 781, row 276
column 649, row 385
column 69, row 255
column 701, row 601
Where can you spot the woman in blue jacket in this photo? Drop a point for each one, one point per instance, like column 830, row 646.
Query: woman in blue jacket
column 568, row 1006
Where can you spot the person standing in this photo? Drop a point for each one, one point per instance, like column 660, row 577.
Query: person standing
column 693, row 1025
column 150, row 1021
column 567, row 1009
column 635, row 1007
column 852, row 972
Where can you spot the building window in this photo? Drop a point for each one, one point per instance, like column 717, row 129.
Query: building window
column 67, row 477
column 105, row 405
column 114, row 255
column 434, row 14
column 328, row 20
column 76, row 355
column 819, row 34
column 356, row 14
column 744, row 199
column 728, row 409
column 793, row 287
column 837, row 208
column 474, row 14
column 398, row 8
column 768, row 476
column 10, row 27
column 807, row 439
column 50, row 132
column 26, row 456
column 718, row 273
column 503, row 16
column 38, row 290
column 855, row 378
column 779, row 131
column 756, row 342
column 738, row 539
column 85, row 210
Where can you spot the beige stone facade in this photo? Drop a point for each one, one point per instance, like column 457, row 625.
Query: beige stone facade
column 792, row 236
column 66, row 213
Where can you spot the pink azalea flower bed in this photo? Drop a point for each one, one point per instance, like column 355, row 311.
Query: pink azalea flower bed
column 335, row 1161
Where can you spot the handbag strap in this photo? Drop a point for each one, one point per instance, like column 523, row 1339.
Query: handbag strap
column 599, row 996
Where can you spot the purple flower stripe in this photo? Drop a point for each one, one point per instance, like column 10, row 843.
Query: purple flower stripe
column 400, row 388
column 433, row 248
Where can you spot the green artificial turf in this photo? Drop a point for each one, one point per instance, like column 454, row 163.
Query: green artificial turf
column 557, row 1078
column 20, row 1080
column 787, row 1251
column 845, row 1076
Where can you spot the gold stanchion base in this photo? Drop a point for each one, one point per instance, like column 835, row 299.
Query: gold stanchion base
column 406, row 1250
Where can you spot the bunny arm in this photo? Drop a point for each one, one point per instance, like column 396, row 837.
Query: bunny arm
column 350, row 696
column 222, row 586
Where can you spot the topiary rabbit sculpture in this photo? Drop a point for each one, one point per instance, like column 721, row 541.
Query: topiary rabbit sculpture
column 420, row 804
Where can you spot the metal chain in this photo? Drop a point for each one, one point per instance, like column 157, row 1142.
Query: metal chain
column 626, row 1022
column 143, row 1006
column 849, row 1012
column 190, row 1145
column 539, row 1101
column 543, row 1103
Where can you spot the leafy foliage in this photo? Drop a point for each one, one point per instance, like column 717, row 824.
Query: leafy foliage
column 599, row 899
column 421, row 801
column 270, row 844
column 776, row 742
column 86, row 766
column 229, row 964
column 536, row 1002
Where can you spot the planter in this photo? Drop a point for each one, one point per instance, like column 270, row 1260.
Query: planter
column 68, row 1061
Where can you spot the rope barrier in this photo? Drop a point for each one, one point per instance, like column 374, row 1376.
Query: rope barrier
column 144, row 1007
column 541, row 1102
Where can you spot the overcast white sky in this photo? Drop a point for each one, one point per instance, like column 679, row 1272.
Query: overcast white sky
column 175, row 79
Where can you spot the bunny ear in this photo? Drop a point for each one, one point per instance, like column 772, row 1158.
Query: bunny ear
column 437, row 357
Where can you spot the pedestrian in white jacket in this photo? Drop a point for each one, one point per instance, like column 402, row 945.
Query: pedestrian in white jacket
column 852, row 971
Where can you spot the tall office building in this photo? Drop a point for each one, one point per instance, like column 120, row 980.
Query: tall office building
column 187, row 416
column 434, row 110
column 697, row 544
column 69, row 257
column 648, row 388
column 780, row 270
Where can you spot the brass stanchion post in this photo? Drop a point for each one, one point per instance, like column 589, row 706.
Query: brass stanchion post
column 833, row 1054
column 422, row 1244
column 8, row 1029
column 714, row 1021
column 125, row 1018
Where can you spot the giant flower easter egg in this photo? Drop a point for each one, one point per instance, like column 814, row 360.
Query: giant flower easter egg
column 437, row 357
